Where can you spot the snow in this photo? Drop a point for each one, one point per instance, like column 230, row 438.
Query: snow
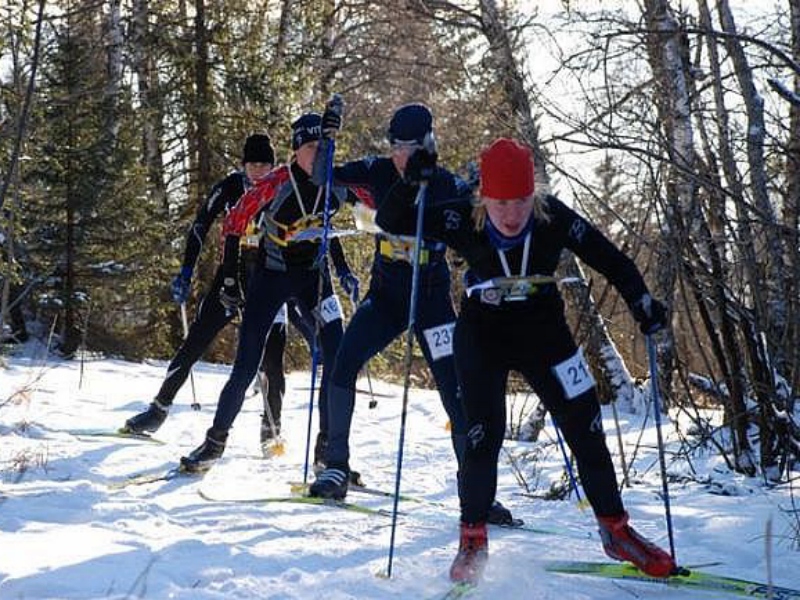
column 65, row 534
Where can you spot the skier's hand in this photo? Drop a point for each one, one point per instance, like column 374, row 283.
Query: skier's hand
column 331, row 123
column 349, row 283
column 421, row 166
column 182, row 285
column 230, row 296
column 650, row 314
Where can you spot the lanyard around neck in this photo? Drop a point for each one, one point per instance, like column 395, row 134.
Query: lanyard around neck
column 525, row 253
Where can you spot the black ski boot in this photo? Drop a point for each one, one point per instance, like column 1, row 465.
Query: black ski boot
column 206, row 454
column 320, row 448
column 268, row 432
column 500, row 515
column 148, row 421
column 331, row 483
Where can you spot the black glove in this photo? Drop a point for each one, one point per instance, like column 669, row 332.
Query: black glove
column 331, row 122
column 650, row 314
column 420, row 166
column 230, row 296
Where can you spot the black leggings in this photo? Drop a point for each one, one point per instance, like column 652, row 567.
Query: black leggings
column 489, row 343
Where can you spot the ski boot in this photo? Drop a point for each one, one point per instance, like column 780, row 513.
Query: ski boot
column 206, row 454
column 148, row 421
column 622, row 542
column 473, row 552
column 500, row 515
column 320, row 447
column 331, row 483
column 271, row 442
column 268, row 432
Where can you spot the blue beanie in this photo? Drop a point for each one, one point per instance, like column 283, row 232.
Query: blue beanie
column 307, row 128
column 410, row 123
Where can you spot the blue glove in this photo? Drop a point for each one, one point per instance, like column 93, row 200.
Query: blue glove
column 650, row 314
column 349, row 283
column 182, row 285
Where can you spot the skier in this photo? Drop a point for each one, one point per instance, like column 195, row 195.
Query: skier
column 257, row 160
column 513, row 233
column 284, row 203
column 383, row 314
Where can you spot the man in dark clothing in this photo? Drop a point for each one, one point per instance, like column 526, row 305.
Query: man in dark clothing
column 284, row 204
column 383, row 314
column 258, row 159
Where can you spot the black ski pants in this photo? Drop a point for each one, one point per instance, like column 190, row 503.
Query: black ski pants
column 490, row 341
column 267, row 290
column 208, row 321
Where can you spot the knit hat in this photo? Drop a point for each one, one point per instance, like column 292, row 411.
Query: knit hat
column 307, row 128
column 410, row 123
column 258, row 149
column 506, row 170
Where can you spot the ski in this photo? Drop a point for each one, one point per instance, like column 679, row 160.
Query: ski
column 461, row 589
column 311, row 500
column 154, row 477
column 113, row 433
column 698, row 580
column 298, row 487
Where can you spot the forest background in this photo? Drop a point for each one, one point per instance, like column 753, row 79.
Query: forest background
column 675, row 127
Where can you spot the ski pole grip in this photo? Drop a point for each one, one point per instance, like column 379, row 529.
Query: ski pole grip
column 335, row 104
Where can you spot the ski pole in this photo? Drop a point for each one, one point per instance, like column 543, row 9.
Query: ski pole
column 412, row 313
column 335, row 104
column 651, row 354
column 568, row 465
column 185, row 322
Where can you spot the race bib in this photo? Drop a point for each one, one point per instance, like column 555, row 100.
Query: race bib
column 330, row 309
column 440, row 340
column 574, row 375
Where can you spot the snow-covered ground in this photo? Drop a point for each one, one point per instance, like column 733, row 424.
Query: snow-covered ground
column 65, row 533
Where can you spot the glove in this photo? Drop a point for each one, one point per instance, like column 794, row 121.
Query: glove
column 182, row 285
column 650, row 314
column 349, row 283
column 230, row 296
column 420, row 166
column 331, row 122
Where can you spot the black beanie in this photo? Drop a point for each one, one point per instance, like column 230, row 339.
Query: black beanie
column 410, row 123
column 258, row 149
column 306, row 128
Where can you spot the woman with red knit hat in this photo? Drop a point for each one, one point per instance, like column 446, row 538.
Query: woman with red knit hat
column 512, row 318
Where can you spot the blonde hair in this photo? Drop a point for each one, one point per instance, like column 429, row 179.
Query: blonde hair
column 479, row 210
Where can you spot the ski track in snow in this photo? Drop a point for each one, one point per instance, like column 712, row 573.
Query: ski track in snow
column 64, row 534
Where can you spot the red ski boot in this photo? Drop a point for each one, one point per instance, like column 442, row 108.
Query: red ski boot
column 621, row 542
column 473, row 552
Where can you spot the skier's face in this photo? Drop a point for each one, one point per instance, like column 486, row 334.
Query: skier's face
column 400, row 153
column 305, row 155
column 256, row 170
column 509, row 216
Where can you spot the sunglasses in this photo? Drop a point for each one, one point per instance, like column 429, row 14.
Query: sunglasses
column 405, row 145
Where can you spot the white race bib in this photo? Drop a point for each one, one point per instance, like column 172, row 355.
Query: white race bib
column 440, row 340
column 330, row 309
column 574, row 375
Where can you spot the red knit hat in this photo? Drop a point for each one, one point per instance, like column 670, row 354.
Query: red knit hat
column 506, row 170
